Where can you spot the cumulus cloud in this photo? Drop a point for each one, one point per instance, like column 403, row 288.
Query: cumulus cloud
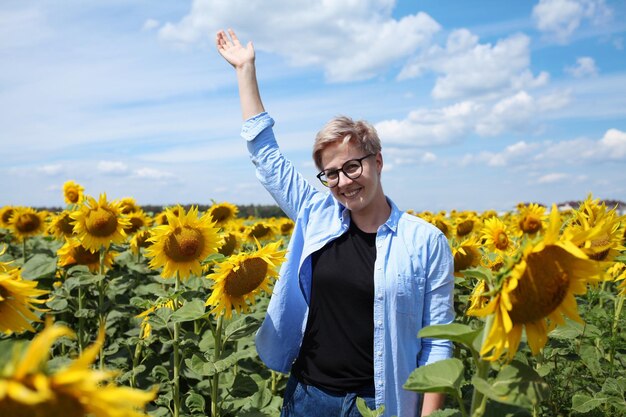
column 585, row 67
column 467, row 68
column 112, row 167
column 351, row 40
column 611, row 147
column 561, row 18
column 423, row 127
column 552, row 178
column 150, row 24
column 153, row 174
column 51, row 169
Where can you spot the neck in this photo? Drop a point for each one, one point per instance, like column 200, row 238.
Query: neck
column 370, row 219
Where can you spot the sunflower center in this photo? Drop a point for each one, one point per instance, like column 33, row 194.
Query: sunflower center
column 27, row 222
column 530, row 224
column 464, row 227
column 230, row 241
column 247, row 278
column 542, row 287
column 83, row 256
column 184, row 245
column 72, row 196
column 502, row 240
column 220, row 214
column 6, row 216
column 259, row 231
column 64, row 225
column 286, row 228
column 136, row 223
column 441, row 225
column 101, row 222
column 600, row 243
column 467, row 260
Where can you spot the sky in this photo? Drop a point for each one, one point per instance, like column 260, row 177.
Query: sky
column 479, row 104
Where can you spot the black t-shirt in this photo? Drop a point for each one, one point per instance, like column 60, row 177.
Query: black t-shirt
column 337, row 350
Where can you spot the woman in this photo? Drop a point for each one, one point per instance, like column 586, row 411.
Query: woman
column 361, row 278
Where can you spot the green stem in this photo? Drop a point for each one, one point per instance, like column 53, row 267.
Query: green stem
column 479, row 401
column 618, row 312
column 101, row 290
column 177, row 360
column 601, row 293
column 24, row 249
column 136, row 356
column 217, row 352
column 81, row 320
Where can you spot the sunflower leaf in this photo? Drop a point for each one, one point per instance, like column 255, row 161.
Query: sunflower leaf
column 241, row 327
column 190, row 311
column 456, row 332
column 366, row 411
column 443, row 376
column 583, row 403
column 39, row 266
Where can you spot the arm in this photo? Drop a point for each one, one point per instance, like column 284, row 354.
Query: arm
column 432, row 401
column 242, row 59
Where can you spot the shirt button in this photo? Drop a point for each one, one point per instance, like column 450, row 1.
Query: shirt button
column 380, row 323
column 379, row 353
column 380, row 383
column 380, row 296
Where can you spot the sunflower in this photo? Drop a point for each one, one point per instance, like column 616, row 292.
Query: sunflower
column 222, row 213
column 495, row 235
column 140, row 240
column 608, row 242
column 74, row 253
column 241, row 277
column 182, row 244
column 466, row 255
column 530, row 219
column 73, row 192
column 61, row 225
column 478, row 300
column 465, row 223
column 74, row 390
column 99, row 223
column 17, row 299
column 138, row 220
column 231, row 242
column 6, row 213
column 26, row 222
column 128, row 205
column 260, row 230
column 534, row 293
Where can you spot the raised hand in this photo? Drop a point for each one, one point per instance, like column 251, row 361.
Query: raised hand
column 232, row 50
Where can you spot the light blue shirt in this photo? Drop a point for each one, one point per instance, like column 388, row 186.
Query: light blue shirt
column 413, row 277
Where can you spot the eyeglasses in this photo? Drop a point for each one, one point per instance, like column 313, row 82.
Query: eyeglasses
column 351, row 169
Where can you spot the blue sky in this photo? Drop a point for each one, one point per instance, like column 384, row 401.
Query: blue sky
column 479, row 104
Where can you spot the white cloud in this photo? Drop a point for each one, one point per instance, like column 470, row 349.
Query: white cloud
column 153, row 174
column 112, row 167
column 613, row 144
column 519, row 112
column 585, row 66
column 51, row 169
column 429, row 157
column 466, row 67
column 150, row 24
column 561, row 18
column 552, row 178
column 351, row 40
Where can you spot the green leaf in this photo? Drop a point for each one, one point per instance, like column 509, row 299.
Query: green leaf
column 365, row 411
column 456, row 332
column 516, row 384
column 195, row 402
column 244, row 386
column 448, row 412
column 241, row 327
column 190, row 311
column 57, row 304
column 443, row 376
column 583, row 403
column 39, row 266
column 589, row 355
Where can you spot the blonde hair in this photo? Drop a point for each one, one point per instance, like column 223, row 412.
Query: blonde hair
column 343, row 128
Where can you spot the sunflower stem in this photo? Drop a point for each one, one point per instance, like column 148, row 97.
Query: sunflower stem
column 103, row 318
column 479, row 401
column 24, row 249
column 217, row 352
column 177, row 360
column 136, row 356
column 81, row 320
column 618, row 312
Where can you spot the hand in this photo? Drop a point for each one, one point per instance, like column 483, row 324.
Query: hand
column 232, row 50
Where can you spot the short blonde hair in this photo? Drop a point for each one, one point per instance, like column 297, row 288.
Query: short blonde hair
column 343, row 128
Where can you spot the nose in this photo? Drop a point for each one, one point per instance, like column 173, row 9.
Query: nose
column 344, row 180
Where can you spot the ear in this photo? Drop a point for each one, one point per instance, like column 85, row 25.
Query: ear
column 379, row 163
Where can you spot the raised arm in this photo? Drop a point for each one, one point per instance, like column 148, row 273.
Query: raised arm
column 242, row 59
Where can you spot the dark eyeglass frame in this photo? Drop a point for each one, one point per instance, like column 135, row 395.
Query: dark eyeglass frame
column 352, row 176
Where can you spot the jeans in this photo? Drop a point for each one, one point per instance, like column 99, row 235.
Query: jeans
column 302, row 400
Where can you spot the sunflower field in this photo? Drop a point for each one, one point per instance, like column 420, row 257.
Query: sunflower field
column 109, row 311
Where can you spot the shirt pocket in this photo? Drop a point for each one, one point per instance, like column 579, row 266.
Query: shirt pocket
column 410, row 293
